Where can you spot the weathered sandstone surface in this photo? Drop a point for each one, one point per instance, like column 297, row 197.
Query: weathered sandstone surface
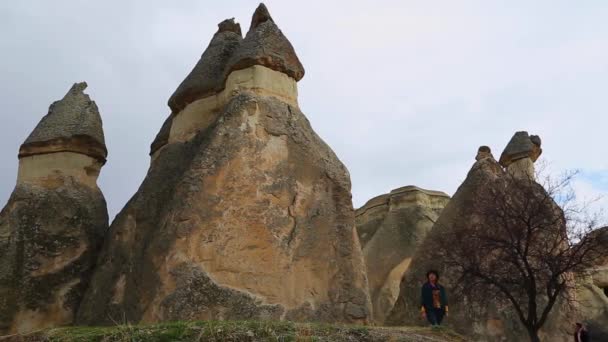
column 53, row 224
column 245, row 212
column 162, row 137
column 390, row 227
column 592, row 295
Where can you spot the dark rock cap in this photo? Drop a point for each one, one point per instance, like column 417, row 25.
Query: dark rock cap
column 484, row 152
column 484, row 148
column 266, row 45
column 229, row 25
column 163, row 135
column 209, row 74
column 521, row 146
column 73, row 124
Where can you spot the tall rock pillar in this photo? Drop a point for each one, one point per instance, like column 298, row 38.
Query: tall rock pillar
column 53, row 224
column 245, row 212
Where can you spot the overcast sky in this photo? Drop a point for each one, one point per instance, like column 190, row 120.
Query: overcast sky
column 403, row 91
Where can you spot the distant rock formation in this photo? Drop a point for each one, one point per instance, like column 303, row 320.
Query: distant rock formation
column 480, row 318
column 245, row 212
column 53, row 224
column 390, row 228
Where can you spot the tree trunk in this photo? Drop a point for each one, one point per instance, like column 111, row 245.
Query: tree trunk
column 533, row 333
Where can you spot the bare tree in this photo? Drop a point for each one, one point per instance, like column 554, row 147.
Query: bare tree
column 522, row 245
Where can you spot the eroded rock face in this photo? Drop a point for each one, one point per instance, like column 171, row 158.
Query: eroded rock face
column 483, row 319
column 391, row 227
column 53, row 224
column 244, row 214
column 592, row 296
column 162, row 137
column 407, row 306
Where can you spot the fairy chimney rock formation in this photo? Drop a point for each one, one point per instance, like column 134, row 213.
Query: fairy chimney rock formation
column 245, row 212
column 53, row 224
column 391, row 227
column 67, row 141
column 520, row 154
column 477, row 317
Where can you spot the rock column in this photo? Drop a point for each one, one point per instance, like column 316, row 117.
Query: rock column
column 53, row 224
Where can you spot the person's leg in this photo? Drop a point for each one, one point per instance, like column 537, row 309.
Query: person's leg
column 430, row 316
column 439, row 313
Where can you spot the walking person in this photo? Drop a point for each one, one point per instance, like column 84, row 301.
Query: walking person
column 581, row 334
column 434, row 301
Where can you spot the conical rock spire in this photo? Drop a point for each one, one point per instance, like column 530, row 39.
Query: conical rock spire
column 260, row 15
column 55, row 220
column 209, row 74
column 73, row 124
column 266, row 45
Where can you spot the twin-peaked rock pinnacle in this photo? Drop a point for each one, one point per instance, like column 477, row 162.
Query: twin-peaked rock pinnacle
column 265, row 61
column 245, row 212
column 264, row 45
column 53, row 224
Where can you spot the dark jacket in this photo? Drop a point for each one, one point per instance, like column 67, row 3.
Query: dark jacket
column 584, row 336
column 426, row 298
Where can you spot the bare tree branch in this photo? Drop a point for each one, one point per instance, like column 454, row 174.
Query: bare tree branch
column 522, row 242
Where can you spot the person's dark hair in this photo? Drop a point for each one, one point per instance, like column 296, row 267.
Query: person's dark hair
column 432, row 272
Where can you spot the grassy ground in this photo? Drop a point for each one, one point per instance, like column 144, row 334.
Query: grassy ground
column 238, row 331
